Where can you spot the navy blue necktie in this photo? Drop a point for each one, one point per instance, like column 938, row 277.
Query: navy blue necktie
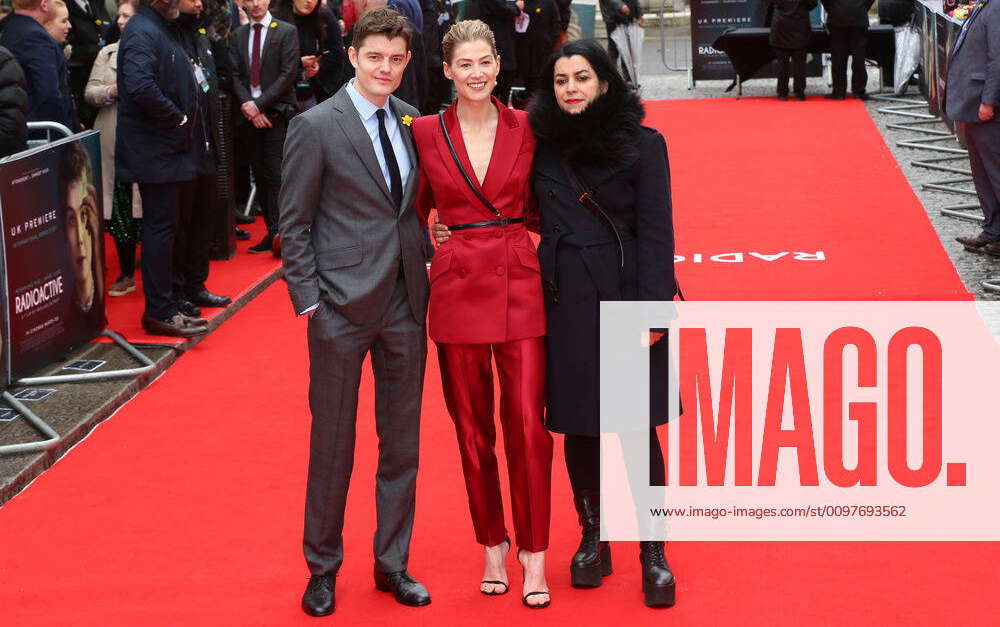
column 395, row 181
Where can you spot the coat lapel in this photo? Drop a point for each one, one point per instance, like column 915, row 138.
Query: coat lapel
column 967, row 26
column 350, row 123
column 455, row 132
column 506, row 147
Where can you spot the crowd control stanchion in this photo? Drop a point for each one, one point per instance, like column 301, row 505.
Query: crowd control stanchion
column 39, row 424
column 147, row 365
column 48, row 127
column 29, row 447
column 920, row 119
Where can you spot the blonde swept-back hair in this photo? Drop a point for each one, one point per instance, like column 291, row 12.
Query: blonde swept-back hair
column 464, row 32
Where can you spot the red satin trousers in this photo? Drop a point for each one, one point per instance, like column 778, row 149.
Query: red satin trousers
column 467, row 378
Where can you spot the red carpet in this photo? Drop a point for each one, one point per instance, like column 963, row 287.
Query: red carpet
column 230, row 278
column 767, row 177
column 186, row 507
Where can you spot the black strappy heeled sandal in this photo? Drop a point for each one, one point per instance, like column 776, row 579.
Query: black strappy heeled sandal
column 524, row 599
column 494, row 582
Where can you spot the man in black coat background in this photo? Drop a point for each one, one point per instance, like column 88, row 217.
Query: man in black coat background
column 41, row 60
column 89, row 34
column 156, row 148
column 790, row 33
column 847, row 21
column 971, row 97
column 13, row 105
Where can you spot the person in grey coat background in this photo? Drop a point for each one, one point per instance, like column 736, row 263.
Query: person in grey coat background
column 971, row 95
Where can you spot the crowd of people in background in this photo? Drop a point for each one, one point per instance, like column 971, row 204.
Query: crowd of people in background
column 78, row 64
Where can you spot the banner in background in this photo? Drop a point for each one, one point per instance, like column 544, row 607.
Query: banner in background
column 53, row 253
column 709, row 19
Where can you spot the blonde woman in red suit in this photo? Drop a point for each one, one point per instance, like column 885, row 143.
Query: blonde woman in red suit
column 486, row 302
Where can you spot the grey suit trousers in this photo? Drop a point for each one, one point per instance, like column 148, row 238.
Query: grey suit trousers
column 337, row 348
column 983, row 142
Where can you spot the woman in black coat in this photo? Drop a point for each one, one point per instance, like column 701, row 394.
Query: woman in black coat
column 790, row 33
column 321, row 47
column 588, row 122
column 586, row 118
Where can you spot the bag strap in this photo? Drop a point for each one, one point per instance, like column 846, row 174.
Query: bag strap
column 586, row 198
column 465, row 175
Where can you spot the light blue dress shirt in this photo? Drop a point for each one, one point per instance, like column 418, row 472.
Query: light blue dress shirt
column 367, row 112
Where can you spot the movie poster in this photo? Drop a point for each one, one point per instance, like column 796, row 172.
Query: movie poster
column 945, row 34
column 709, row 19
column 51, row 203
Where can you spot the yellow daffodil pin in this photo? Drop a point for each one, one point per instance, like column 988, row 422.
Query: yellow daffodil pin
column 407, row 120
column 274, row 25
column 202, row 31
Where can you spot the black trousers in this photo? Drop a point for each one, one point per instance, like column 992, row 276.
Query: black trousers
column 264, row 145
column 583, row 460
column 798, row 63
column 848, row 41
column 159, row 224
column 196, row 201
column 983, row 141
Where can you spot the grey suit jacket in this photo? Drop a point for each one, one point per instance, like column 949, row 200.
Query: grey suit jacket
column 974, row 65
column 342, row 240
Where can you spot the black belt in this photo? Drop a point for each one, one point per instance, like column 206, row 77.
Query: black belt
column 477, row 225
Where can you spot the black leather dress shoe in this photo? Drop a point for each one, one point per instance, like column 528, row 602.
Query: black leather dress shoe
column 319, row 598
column 207, row 299
column 242, row 219
column 265, row 245
column 188, row 308
column 835, row 97
column 242, row 235
column 408, row 590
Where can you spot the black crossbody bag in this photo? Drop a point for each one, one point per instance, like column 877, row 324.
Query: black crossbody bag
column 501, row 220
column 610, row 218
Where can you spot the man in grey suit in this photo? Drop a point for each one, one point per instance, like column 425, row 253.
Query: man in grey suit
column 353, row 251
column 972, row 93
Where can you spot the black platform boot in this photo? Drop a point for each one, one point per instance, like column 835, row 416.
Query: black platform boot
column 592, row 560
column 658, row 583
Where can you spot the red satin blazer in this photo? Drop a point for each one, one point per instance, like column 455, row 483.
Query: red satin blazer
column 485, row 282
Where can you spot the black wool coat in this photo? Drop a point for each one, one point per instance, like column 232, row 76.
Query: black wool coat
column 156, row 90
column 535, row 46
column 629, row 172
column 840, row 13
column 13, row 105
column 790, row 26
